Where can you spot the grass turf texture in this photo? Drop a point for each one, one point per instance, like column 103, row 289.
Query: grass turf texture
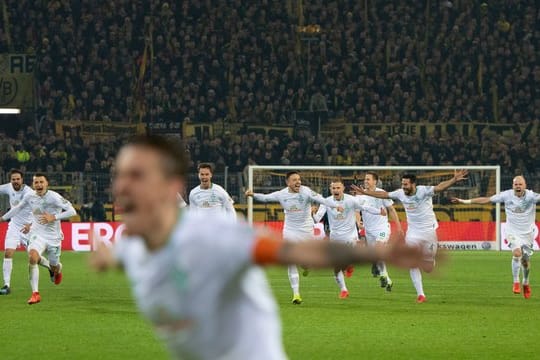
column 471, row 313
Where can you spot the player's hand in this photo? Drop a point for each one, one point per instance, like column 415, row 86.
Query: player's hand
column 340, row 208
column 46, row 218
column 249, row 192
column 456, row 200
column 383, row 212
column 101, row 255
column 26, row 228
column 460, row 174
column 358, row 190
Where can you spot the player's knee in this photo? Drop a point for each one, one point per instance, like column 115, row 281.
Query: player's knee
column 516, row 253
column 428, row 266
column 8, row 254
column 33, row 257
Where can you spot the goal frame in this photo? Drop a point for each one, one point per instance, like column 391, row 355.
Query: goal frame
column 300, row 168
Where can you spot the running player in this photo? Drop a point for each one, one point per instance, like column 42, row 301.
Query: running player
column 520, row 209
column 421, row 220
column 48, row 208
column 377, row 228
column 296, row 201
column 16, row 190
column 342, row 224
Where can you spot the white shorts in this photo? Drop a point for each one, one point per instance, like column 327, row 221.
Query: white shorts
column 378, row 236
column 297, row 236
column 427, row 240
column 14, row 237
column 350, row 242
column 40, row 245
column 524, row 242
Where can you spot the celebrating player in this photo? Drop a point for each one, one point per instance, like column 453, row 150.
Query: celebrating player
column 16, row 190
column 47, row 208
column 342, row 224
column 520, row 209
column 376, row 226
column 421, row 220
column 296, row 201
column 209, row 197
column 206, row 298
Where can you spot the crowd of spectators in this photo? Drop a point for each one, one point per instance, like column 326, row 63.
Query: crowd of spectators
column 244, row 61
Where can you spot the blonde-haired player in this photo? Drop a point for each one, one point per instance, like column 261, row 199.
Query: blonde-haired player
column 520, row 209
column 377, row 227
column 342, row 224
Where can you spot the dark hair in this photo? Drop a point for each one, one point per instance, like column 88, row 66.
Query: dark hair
column 411, row 177
column 40, row 174
column 374, row 174
column 15, row 171
column 206, row 166
column 171, row 151
column 290, row 173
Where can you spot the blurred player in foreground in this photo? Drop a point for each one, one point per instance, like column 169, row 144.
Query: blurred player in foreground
column 48, row 208
column 520, row 209
column 16, row 190
column 196, row 280
column 342, row 224
column 296, row 200
column 421, row 220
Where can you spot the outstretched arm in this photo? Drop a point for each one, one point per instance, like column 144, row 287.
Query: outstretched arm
column 272, row 197
column 476, row 200
column 377, row 194
column 458, row 176
column 14, row 210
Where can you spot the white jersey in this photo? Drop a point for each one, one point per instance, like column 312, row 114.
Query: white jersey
column 51, row 202
column 418, row 207
column 520, row 211
column 375, row 223
column 296, row 206
column 221, row 310
column 343, row 224
column 214, row 200
column 15, row 197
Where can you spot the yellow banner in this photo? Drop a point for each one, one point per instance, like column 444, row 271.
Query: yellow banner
column 98, row 128
column 17, row 80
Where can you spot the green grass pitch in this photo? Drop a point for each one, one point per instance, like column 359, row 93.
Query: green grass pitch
column 471, row 313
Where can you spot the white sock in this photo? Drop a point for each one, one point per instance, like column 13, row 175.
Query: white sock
column 294, row 279
column 44, row 262
column 382, row 268
column 340, row 280
column 33, row 272
column 8, row 265
column 416, row 277
column 516, row 265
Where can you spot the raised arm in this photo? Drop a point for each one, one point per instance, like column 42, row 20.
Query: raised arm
column 458, row 176
column 357, row 205
column 271, row 197
column 228, row 204
column 476, row 200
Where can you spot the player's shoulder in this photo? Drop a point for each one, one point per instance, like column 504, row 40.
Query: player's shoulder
column 5, row 187
column 27, row 190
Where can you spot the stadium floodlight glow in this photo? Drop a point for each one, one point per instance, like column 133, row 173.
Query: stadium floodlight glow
column 8, row 111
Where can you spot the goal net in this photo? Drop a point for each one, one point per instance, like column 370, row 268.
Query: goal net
column 461, row 227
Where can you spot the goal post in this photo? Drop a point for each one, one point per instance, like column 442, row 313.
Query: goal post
column 461, row 227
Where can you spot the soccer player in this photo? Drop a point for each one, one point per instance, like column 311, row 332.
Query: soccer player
column 421, row 220
column 209, row 197
column 223, row 309
column 342, row 224
column 376, row 226
column 520, row 209
column 296, row 201
column 47, row 208
column 16, row 190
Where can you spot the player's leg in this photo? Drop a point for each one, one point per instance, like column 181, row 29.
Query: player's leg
column 292, row 270
column 381, row 239
column 526, row 253
column 370, row 240
column 35, row 249
column 340, row 281
column 10, row 244
column 54, row 252
column 514, row 244
column 428, row 242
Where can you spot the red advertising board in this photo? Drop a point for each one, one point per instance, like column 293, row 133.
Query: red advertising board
column 77, row 234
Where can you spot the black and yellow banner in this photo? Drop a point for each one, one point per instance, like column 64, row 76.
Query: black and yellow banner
column 17, row 80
